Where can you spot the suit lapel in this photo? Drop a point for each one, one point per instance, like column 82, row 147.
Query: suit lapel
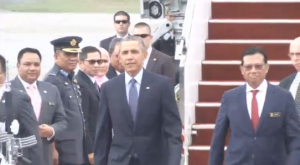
column 289, row 81
column 152, row 60
column 268, row 105
column 146, row 81
column 43, row 93
column 245, row 117
column 111, row 72
column 89, row 82
column 123, row 99
column 2, row 108
column 18, row 84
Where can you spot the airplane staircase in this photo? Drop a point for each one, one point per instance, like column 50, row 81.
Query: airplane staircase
column 234, row 26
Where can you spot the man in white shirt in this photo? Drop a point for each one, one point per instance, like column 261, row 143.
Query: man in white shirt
column 121, row 25
column 262, row 119
column 89, row 63
column 292, row 82
column 115, row 67
column 15, row 106
column 45, row 99
column 156, row 61
column 143, row 114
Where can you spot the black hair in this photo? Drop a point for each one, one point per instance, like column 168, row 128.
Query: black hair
column 28, row 50
column 86, row 50
column 124, row 13
column 252, row 51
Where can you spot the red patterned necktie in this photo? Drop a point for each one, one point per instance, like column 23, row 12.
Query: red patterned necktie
column 254, row 110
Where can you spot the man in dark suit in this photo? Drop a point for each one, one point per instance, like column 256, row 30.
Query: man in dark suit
column 155, row 61
column 71, row 144
column 89, row 63
column 49, row 111
column 291, row 83
column 121, row 24
column 166, row 43
column 262, row 119
column 143, row 114
column 115, row 67
column 15, row 105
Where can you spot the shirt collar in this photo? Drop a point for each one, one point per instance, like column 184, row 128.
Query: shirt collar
column 138, row 77
column 91, row 78
column 122, row 37
column 261, row 88
column 149, row 51
column 26, row 85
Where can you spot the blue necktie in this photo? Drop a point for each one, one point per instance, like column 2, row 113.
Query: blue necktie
column 133, row 98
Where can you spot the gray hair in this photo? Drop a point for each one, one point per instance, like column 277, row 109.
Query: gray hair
column 104, row 52
column 135, row 38
column 113, row 44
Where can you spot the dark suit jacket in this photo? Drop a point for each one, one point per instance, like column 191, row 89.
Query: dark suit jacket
column 90, row 107
column 111, row 73
column 286, row 82
column 166, row 46
column 274, row 134
column 105, row 43
column 52, row 113
column 162, row 64
column 156, row 134
column 20, row 108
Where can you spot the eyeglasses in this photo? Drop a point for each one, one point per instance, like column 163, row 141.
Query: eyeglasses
column 256, row 66
column 142, row 35
column 93, row 62
column 121, row 21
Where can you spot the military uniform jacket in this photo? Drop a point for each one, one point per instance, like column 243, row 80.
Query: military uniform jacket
column 70, row 144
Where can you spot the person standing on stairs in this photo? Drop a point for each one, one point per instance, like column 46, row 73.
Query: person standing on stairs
column 262, row 118
column 291, row 83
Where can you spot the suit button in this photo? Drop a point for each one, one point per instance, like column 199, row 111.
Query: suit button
column 253, row 156
column 254, row 138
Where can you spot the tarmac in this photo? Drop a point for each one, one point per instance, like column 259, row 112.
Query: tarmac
column 20, row 30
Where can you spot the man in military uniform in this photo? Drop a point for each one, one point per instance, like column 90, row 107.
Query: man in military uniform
column 70, row 145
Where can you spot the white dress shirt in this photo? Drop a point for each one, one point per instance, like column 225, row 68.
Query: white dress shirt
column 2, row 125
column 260, row 97
column 138, row 79
column 122, row 37
column 26, row 86
column 91, row 78
column 149, row 51
column 294, row 85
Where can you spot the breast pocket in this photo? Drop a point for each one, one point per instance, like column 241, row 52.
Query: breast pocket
column 48, row 108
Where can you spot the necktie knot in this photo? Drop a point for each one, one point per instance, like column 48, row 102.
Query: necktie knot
column 31, row 87
column 254, row 92
column 132, row 81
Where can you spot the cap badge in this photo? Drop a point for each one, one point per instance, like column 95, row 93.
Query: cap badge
column 73, row 42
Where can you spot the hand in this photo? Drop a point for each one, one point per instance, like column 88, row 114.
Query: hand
column 45, row 131
column 55, row 157
column 91, row 158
